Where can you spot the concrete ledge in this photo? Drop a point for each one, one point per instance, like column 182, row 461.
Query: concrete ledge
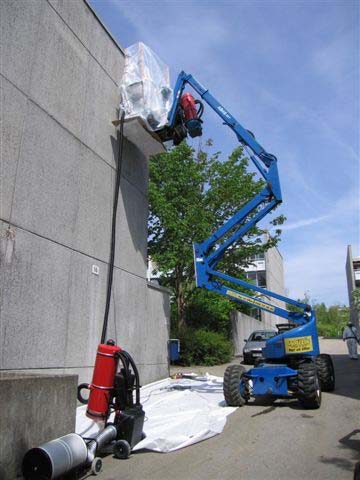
column 136, row 131
column 34, row 409
column 158, row 287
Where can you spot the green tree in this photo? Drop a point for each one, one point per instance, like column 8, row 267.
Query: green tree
column 330, row 320
column 191, row 195
column 355, row 295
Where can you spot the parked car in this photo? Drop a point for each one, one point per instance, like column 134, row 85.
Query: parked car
column 255, row 343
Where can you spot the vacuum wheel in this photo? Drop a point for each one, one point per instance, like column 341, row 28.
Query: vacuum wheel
column 96, row 466
column 309, row 391
column 325, row 371
column 236, row 389
column 121, row 449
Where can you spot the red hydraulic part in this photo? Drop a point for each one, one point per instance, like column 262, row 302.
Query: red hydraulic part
column 187, row 103
column 103, row 381
column 191, row 115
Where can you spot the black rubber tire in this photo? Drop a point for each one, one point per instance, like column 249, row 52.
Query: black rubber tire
column 326, row 373
column 357, row 471
column 231, row 386
column 309, row 391
column 96, row 466
column 122, row 449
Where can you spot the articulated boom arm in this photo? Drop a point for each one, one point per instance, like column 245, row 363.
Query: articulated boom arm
column 208, row 253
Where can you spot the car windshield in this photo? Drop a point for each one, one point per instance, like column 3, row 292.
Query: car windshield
column 260, row 336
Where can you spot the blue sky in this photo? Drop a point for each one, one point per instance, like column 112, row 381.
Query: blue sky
column 289, row 72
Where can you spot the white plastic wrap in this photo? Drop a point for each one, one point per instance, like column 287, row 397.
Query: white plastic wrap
column 178, row 413
column 145, row 87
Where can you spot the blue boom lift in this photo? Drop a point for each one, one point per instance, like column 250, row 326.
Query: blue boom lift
column 292, row 365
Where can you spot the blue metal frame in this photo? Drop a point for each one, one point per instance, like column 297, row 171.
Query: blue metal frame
column 273, row 383
column 208, row 253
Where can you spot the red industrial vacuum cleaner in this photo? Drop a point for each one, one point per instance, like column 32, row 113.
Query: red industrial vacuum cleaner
column 112, row 391
column 114, row 383
column 115, row 380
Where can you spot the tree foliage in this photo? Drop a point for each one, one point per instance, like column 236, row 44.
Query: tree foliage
column 204, row 347
column 210, row 310
column 330, row 320
column 355, row 295
column 190, row 196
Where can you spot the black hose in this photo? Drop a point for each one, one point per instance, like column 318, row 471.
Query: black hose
column 125, row 363
column 200, row 109
column 113, row 228
column 136, row 373
column 126, row 360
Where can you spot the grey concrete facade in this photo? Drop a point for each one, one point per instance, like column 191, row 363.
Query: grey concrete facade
column 352, row 268
column 241, row 327
column 38, row 409
column 267, row 271
column 274, row 283
column 60, row 73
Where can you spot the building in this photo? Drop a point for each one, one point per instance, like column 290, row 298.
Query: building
column 352, row 268
column 60, row 72
column 60, row 76
column 267, row 271
column 152, row 273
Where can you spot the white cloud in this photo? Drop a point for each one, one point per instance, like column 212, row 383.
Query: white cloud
column 305, row 222
column 301, row 114
column 336, row 59
column 315, row 261
column 348, row 204
column 319, row 270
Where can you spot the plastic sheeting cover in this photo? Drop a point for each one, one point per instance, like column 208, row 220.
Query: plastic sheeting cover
column 145, row 86
column 178, row 413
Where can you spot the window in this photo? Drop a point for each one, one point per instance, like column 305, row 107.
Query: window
column 257, row 314
column 261, row 336
column 257, row 278
column 261, row 279
column 258, row 256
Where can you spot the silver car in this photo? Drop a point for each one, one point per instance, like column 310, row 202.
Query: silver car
column 255, row 343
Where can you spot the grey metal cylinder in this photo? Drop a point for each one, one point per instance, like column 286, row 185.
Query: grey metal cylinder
column 55, row 458
column 105, row 437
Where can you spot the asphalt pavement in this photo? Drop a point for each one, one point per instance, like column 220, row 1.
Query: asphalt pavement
column 273, row 441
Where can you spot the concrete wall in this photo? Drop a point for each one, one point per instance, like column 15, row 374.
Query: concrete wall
column 60, row 73
column 274, row 283
column 35, row 409
column 241, row 327
column 351, row 286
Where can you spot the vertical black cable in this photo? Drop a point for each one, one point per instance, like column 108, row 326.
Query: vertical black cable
column 113, row 228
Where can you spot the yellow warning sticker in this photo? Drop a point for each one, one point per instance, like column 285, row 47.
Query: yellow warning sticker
column 298, row 345
column 263, row 305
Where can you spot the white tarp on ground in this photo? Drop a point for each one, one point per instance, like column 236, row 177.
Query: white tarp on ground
column 178, row 413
